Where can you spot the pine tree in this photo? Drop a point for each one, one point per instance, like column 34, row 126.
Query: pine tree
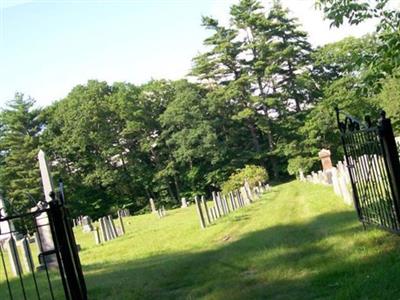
column 19, row 145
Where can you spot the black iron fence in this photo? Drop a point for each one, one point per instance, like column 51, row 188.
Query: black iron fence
column 38, row 255
column 373, row 161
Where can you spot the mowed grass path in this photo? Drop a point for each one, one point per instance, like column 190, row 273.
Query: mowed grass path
column 298, row 242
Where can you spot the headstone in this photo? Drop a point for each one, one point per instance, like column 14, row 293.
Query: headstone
column 214, row 213
column 226, row 204
column 314, row 177
column 13, row 256
column 200, row 212
column 184, row 202
column 27, row 255
column 103, row 230
column 221, row 204
column 244, row 194
column 204, row 202
column 335, row 181
column 211, row 214
column 345, row 191
column 42, row 220
column 239, row 199
column 112, row 226
column 6, row 227
column 301, row 175
column 325, row 156
column 87, row 224
column 248, row 191
column 232, row 199
column 328, row 176
column 216, row 205
column 107, row 229
column 121, row 225
column 97, row 236
column 152, row 206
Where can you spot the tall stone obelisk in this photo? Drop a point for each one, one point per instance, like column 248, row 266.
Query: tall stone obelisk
column 42, row 221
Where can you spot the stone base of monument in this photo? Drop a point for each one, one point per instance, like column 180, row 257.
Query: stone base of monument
column 48, row 260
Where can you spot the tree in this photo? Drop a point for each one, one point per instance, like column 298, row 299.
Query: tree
column 387, row 56
column 261, row 63
column 340, row 75
column 19, row 146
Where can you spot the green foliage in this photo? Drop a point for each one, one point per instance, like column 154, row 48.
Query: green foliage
column 302, row 163
column 19, row 146
column 389, row 99
column 250, row 173
column 386, row 58
column 263, row 97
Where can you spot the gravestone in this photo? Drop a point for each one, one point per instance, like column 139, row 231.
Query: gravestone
column 152, row 206
column 204, row 202
column 221, row 204
column 121, row 225
column 200, row 212
column 183, row 202
column 112, row 227
column 243, row 194
column 325, row 157
column 97, row 236
column 103, row 230
column 211, row 214
column 345, row 190
column 27, row 255
column 216, row 205
column 301, row 175
column 6, row 227
column 228, row 209
column 232, row 199
column 87, row 224
column 335, row 181
column 42, row 220
column 248, row 191
column 107, row 229
column 13, row 256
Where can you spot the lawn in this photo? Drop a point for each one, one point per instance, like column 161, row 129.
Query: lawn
column 298, row 242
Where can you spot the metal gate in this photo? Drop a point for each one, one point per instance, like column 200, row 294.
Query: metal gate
column 49, row 270
column 374, row 168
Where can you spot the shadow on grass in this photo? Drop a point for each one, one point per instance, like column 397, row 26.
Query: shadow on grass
column 295, row 261
column 329, row 257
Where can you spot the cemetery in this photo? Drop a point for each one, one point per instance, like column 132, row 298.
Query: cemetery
column 199, row 150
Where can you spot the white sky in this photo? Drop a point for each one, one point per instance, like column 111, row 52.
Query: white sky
column 312, row 20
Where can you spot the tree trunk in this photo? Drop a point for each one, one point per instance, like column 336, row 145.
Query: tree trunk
column 254, row 137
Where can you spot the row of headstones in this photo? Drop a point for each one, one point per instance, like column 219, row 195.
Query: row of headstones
column 160, row 212
column 15, row 256
column 124, row 213
column 223, row 205
column 108, row 231
column 337, row 177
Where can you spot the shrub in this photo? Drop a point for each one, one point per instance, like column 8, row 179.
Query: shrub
column 253, row 174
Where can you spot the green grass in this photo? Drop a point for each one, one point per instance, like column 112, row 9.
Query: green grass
column 298, row 242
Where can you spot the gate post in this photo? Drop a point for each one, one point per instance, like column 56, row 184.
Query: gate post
column 75, row 287
column 391, row 158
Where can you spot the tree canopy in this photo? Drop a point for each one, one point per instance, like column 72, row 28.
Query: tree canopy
column 258, row 95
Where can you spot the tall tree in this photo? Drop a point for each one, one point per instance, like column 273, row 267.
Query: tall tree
column 19, row 146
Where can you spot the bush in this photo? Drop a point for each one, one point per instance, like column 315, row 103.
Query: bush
column 253, row 174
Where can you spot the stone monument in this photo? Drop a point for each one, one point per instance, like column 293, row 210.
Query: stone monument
column 325, row 156
column 42, row 221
